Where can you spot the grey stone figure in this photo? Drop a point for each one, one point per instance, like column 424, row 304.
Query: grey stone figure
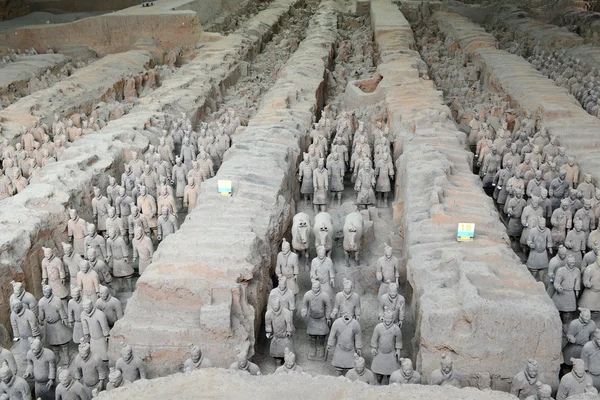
column 562, row 220
column 55, row 275
column 99, row 266
column 89, row 369
column 540, row 243
column 88, row 281
column 575, row 242
column 320, row 187
column 364, row 186
column 406, row 374
column 41, row 366
column 345, row 339
column 95, row 329
column 12, row 385
column 337, row 169
column 347, row 302
column 142, row 247
column 279, row 327
column 445, row 375
column 289, row 363
column 77, row 231
column 117, row 252
column 71, row 261
column 7, row 356
column 590, row 354
column 116, row 380
column 53, row 317
column 387, row 270
column 524, row 384
column 393, row 302
column 25, row 297
column 100, row 205
column 386, row 347
column 24, row 325
column 167, row 223
column 321, row 269
column 590, row 298
column 110, row 306
column 74, row 309
column 288, row 266
column 529, row 219
column 578, row 334
column 305, row 176
column 567, row 284
column 242, row 364
column 360, row 372
column 574, row 382
column 543, row 392
column 94, row 241
column 316, row 307
column 284, row 294
column 197, row 360
column 131, row 366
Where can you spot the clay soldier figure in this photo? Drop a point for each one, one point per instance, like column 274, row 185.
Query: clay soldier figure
column 578, row 334
column 128, row 180
column 205, row 165
column 365, row 182
column 544, row 392
column 575, row 242
column 394, row 302
column 13, row 385
column 559, row 189
column 166, row 199
column 406, row 374
column 587, row 217
column 99, row 266
column 149, row 180
column 287, row 265
column 587, row 188
column 289, row 363
column 590, row 298
column 196, row 360
column 41, row 366
column 123, row 205
column 116, row 380
column 316, row 306
column 71, row 261
column 117, row 253
column 100, row 207
column 142, row 246
column 529, row 219
column 562, row 221
column 491, row 165
column 6, row 188
column 26, row 298
column 539, row 240
column 88, row 281
column 337, row 170
column 347, row 302
column 387, row 270
column 567, row 284
column 345, row 339
column 187, row 154
column 179, row 177
column 445, row 375
column 24, row 325
column 147, row 205
column 53, row 316
column 320, row 186
column 524, row 384
column 285, row 295
column 321, row 269
column 131, row 366
column 279, row 327
column 572, row 172
column 590, row 354
column 516, row 205
column 386, row 346
column 190, row 195
column 110, row 306
column 69, row 388
column 242, row 364
column 95, row 329
column 385, row 174
column 112, row 221
column 112, row 190
column 6, row 356
column 167, row 223
column 55, row 275
column 74, row 309
column 95, row 241
column 574, row 382
column 137, row 219
column 360, row 372
column 89, row 369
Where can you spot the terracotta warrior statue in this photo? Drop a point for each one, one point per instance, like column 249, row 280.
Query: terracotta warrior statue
column 24, row 325
column 386, row 347
column 316, row 307
column 196, row 360
column 95, row 329
column 69, row 388
column 364, row 185
column 74, row 309
column 393, row 302
column 55, row 275
column 110, row 306
column 71, row 262
column 406, row 373
column 360, row 372
column 445, row 375
column 131, row 366
column 89, row 369
column 336, row 169
column 524, row 384
column 41, row 366
column 12, row 385
column 590, row 354
column 289, row 363
column 543, row 392
column 540, row 243
column 142, row 246
column 116, row 380
column 100, row 205
column 242, row 364
column 6, row 356
column 77, row 230
column 320, row 186
column 288, row 266
column 88, row 281
column 578, row 334
column 53, row 316
column 117, row 252
column 25, row 297
column 387, row 270
column 590, row 298
column 345, row 339
column 167, row 223
column 321, row 269
column 279, row 327
column 574, row 382
column 347, row 302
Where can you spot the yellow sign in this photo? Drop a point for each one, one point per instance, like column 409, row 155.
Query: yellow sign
column 465, row 232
